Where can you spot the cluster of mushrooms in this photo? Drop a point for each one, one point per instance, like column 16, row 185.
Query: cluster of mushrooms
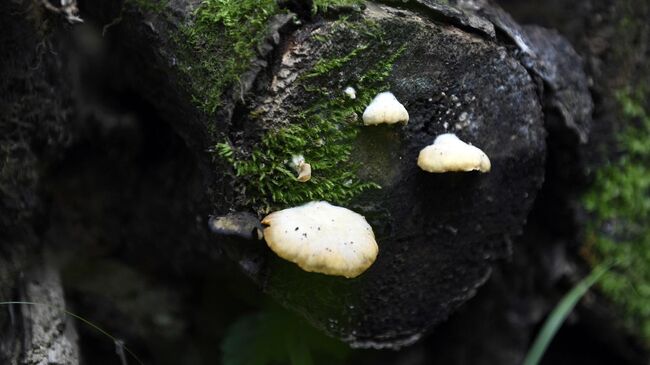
column 323, row 238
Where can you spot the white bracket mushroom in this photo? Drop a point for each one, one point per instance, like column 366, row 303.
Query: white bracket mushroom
column 322, row 238
column 302, row 168
column 385, row 108
column 448, row 153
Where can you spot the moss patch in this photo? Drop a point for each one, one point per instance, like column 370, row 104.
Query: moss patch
column 323, row 132
column 322, row 5
column 619, row 203
column 219, row 45
column 325, row 66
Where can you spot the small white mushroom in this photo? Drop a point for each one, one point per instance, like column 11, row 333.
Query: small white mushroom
column 385, row 108
column 350, row 92
column 297, row 160
column 302, row 168
column 304, row 172
column 322, row 238
column 448, row 153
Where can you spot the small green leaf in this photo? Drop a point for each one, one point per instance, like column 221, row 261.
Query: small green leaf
column 275, row 336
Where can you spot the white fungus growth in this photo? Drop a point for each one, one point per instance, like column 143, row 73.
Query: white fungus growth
column 322, row 238
column 350, row 92
column 304, row 172
column 448, row 153
column 385, row 108
column 297, row 160
column 302, row 168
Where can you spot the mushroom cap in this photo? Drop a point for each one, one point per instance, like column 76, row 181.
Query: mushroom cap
column 296, row 161
column 304, row 172
column 448, row 153
column 322, row 238
column 350, row 92
column 385, row 108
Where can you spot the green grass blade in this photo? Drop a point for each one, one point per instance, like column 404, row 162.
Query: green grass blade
column 559, row 314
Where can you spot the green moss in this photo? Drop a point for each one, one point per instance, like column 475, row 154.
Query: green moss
column 619, row 203
column 323, row 67
column 219, row 45
column 322, row 5
column 324, row 133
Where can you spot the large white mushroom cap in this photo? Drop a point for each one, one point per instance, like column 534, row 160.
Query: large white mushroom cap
column 322, row 238
column 385, row 108
column 448, row 153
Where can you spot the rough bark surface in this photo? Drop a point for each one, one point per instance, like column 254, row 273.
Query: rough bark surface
column 34, row 126
column 50, row 337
